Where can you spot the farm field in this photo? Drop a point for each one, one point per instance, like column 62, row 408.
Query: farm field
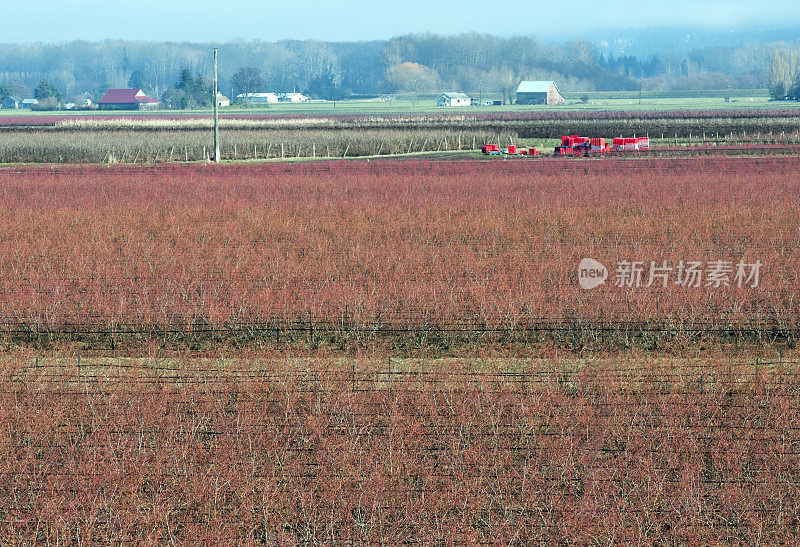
column 401, row 350
column 153, row 139
column 742, row 100
column 634, row 450
column 395, row 247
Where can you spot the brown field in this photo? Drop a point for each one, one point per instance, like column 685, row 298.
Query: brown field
column 397, row 351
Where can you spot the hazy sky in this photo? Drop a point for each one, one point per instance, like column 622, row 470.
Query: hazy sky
column 206, row 20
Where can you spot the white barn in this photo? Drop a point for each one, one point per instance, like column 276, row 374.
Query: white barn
column 453, row 99
column 539, row 92
column 292, row 98
column 259, row 98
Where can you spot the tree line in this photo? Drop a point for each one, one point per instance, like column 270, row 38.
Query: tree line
column 784, row 75
column 420, row 63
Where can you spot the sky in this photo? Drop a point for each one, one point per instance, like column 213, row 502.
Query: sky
column 346, row 20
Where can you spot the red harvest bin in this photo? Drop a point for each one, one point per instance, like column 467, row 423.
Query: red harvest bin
column 512, row 149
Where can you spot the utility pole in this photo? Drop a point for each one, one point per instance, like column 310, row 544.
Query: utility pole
column 216, row 111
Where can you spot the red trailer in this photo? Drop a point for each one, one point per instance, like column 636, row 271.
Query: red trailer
column 578, row 147
column 634, row 145
column 575, row 146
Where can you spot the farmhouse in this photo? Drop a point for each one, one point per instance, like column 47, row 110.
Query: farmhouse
column 222, row 100
column 12, row 102
column 453, row 99
column 29, row 103
column 127, row 99
column 539, row 92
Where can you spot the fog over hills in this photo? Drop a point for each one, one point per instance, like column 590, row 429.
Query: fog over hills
column 657, row 58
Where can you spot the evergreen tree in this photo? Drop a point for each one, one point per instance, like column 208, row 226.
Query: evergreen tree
column 186, row 81
column 46, row 90
column 137, row 80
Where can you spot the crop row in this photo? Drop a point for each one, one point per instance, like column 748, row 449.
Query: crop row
column 126, row 146
column 321, row 458
column 420, row 118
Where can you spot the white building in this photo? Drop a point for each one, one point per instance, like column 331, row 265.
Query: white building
column 259, row 98
column 272, row 98
column 453, row 99
column 222, row 100
column 292, row 98
column 539, row 92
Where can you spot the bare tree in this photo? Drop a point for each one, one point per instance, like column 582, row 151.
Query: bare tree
column 247, row 80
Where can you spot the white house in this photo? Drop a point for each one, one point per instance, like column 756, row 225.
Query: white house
column 222, row 100
column 453, row 99
column 259, row 98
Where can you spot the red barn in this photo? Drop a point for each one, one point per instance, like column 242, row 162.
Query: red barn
column 127, row 99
